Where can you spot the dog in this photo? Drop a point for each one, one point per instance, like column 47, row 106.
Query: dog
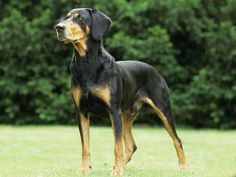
column 106, row 88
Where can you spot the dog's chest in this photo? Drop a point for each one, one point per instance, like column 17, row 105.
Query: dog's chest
column 92, row 99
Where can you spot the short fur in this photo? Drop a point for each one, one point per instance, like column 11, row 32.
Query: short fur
column 111, row 89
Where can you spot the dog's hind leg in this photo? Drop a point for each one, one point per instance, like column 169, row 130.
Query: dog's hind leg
column 129, row 116
column 161, row 105
column 130, row 146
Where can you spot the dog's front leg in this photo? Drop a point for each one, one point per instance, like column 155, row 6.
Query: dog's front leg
column 116, row 119
column 83, row 124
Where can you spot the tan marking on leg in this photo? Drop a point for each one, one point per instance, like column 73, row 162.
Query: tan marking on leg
column 119, row 157
column 119, row 151
column 136, row 107
column 177, row 144
column 76, row 94
column 130, row 145
column 86, row 166
column 104, row 93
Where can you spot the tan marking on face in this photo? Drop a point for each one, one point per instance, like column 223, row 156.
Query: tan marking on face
column 81, row 45
column 77, row 94
column 73, row 31
column 76, row 15
column 104, row 93
column 177, row 144
column 68, row 15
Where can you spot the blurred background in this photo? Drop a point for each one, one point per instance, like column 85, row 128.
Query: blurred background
column 192, row 43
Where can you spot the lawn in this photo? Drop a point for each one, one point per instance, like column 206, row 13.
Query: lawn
column 48, row 151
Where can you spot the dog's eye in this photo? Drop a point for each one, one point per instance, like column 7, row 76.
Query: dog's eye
column 81, row 18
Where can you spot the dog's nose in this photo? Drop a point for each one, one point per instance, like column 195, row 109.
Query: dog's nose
column 59, row 27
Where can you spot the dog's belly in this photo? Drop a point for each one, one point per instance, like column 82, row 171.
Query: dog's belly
column 94, row 105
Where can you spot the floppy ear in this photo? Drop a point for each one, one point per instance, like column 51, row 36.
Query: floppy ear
column 100, row 24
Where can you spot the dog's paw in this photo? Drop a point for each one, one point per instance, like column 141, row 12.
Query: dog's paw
column 183, row 166
column 84, row 170
column 117, row 171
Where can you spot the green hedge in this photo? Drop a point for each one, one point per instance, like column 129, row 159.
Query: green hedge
column 192, row 44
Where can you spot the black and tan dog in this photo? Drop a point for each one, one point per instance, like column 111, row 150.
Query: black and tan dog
column 111, row 89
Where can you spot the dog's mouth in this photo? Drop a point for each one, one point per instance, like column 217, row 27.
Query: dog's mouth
column 63, row 38
column 61, row 35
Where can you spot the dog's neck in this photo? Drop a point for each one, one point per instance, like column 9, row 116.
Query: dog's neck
column 86, row 67
column 87, row 48
column 81, row 47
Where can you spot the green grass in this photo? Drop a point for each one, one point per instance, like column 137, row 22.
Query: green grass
column 39, row 151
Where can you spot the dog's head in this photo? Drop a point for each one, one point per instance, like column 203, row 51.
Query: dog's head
column 81, row 23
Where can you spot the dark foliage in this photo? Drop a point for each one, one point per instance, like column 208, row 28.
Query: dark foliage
column 191, row 43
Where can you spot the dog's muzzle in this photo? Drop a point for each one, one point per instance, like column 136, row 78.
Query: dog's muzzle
column 60, row 29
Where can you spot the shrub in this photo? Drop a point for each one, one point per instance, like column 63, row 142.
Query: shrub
column 191, row 43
